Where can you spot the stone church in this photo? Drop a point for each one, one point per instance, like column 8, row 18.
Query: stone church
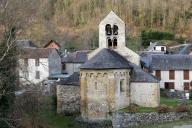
column 112, row 79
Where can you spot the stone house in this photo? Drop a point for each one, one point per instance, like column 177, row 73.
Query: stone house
column 110, row 79
column 175, row 71
column 109, row 82
column 37, row 64
column 68, row 95
column 52, row 44
column 71, row 62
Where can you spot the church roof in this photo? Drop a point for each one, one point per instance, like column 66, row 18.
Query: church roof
column 138, row 75
column 107, row 59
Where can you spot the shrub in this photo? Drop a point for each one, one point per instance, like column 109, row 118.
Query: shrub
column 163, row 109
column 190, row 95
column 132, row 109
column 182, row 108
column 150, row 35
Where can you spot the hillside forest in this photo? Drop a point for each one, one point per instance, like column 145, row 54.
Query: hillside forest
column 74, row 23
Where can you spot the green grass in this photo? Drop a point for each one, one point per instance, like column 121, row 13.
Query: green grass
column 140, row 110
column 169, row 101
column 163, row 100
column 58, row 121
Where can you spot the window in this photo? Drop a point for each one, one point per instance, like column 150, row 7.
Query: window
column 115, row 30
column 95, row 85
column 186, row 85
column 169, row 85
column 162, row 49
column 171, row 74
column 108, row 29
column 26, row 62
column 158, row 73
column 36, row 62
column 37, row 76
column 110, row 44
column 186, row 74
column 115, row 43
column 26, row 74
column 63, row 67
column 122, row 85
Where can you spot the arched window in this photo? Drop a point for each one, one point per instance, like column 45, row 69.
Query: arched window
column 108, row 29
column 110, row 44
column 114, row 42
column 115, row 30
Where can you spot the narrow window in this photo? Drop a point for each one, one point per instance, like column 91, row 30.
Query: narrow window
column 122, row 85
column 171, row 74
column 162, row 49
column 158, row 73
column 109, row 43
column 115, row 30
column 95, row 85
column 63, row 67
column 186, row 74
column 115, row 43
column 26, row 62
column 37, row 76
column 36, row 62
column 186, row 86
column 108, row 29
column 26, row 74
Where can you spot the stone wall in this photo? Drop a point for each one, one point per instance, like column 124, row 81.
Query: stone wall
column 68, row 99
column 145, row 94
column 103, row 91
column 122, row 120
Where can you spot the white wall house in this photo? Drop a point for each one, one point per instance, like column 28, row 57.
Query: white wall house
column 175, row 71
column 37, row 64
column 156, row 47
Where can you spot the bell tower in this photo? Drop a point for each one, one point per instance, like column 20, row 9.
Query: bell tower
column 112, row 32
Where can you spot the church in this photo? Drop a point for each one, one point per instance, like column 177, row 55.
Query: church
column 112, row 79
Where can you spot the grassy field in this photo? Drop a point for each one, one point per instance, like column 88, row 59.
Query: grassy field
column 166, row 101
column 58, row 121
column 51, row 119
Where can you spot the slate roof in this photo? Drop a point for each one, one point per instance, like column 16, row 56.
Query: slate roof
column 171, row 62
column 138, row 75
column 25, row 44
column 35, row 53
column 183, row 49
column 107, row 59
column 76, row 57
column 71, row 80
column 152, row 45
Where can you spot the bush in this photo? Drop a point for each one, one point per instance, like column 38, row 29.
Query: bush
column 151, row 35
column 132, row 109
column 182, row 108
column 190, row 95
column 163, row 109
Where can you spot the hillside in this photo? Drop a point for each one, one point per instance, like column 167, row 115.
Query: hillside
column 74, row 24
